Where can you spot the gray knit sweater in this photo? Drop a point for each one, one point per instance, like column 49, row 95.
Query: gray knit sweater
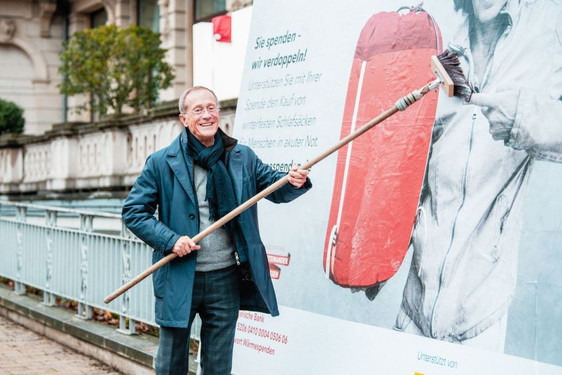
column 217, row 249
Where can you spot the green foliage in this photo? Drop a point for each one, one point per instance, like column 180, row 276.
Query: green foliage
column 117, row 67
column 11, row 118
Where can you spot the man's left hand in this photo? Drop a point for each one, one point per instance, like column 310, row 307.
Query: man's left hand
column 297, row 176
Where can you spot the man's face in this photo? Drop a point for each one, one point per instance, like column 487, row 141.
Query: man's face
column 487, row 10
column 202, row 117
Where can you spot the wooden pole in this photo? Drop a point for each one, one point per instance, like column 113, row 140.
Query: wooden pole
column 250, row 202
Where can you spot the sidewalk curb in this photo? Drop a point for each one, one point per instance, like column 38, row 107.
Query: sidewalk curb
column 132, row 354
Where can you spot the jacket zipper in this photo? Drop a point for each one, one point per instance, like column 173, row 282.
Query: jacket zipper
column 444, row 262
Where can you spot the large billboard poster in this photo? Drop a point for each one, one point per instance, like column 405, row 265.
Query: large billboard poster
column 429, row 245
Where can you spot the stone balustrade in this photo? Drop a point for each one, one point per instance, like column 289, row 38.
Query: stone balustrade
column 103, row 156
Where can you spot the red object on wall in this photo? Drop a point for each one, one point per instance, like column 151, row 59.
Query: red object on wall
column 379, row 175
column 222, row 28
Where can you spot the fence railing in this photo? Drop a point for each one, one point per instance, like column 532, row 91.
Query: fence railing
column 77, row 255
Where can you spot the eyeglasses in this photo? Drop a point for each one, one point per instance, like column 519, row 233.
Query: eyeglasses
column 210, row 109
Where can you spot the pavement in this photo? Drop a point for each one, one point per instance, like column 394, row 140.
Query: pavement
column 32, row 333
column 25, row 352
column 47, row 340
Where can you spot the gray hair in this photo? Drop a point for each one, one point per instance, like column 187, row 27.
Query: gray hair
column 181, row 103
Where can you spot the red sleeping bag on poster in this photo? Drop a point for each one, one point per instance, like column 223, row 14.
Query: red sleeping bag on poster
column 380, row 174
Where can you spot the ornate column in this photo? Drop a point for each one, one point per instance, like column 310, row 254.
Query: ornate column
column 123, row 13
column 176, row 22
column 77, row 22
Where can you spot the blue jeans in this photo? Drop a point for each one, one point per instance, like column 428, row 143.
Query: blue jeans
column 216, row 298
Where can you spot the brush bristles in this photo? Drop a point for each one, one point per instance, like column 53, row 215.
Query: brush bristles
column 452, row 66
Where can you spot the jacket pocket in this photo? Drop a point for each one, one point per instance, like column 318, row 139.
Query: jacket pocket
column 160, row 276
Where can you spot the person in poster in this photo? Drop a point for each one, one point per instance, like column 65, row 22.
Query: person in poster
column 466, row 236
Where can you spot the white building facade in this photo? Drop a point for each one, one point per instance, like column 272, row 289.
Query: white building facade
column 63, row 151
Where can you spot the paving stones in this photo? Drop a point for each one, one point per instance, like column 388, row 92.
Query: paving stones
column 23, row 352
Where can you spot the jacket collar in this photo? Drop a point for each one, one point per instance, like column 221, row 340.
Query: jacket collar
column 229, row 142
column 183, row 167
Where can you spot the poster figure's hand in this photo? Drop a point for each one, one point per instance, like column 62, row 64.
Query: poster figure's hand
column 184, row 245
column 297, row 176
column 500, row 109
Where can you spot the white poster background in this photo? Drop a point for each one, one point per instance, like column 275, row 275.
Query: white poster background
column 288, row 112
column 318, row 344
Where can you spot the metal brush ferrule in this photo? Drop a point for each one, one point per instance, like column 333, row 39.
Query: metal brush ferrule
column 414, row 96
column 435, row 84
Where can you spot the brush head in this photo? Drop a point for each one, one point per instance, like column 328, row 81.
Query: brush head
column 447, row 68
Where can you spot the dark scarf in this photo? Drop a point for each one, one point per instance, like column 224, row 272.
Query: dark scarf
column 220, row 191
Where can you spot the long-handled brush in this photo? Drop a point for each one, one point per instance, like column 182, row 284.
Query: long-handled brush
column 450, row 77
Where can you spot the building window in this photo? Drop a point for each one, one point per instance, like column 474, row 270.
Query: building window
column 98, row 18
column 207, row 9
column 148, row 14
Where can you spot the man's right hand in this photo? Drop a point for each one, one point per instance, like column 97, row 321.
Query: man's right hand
column 184, row 245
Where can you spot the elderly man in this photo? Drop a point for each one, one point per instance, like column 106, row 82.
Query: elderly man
column 201, row 176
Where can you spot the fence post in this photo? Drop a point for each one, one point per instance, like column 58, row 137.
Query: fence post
column 21, row 217
column 50, row 222
column 126, row 276
column 86, row 228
